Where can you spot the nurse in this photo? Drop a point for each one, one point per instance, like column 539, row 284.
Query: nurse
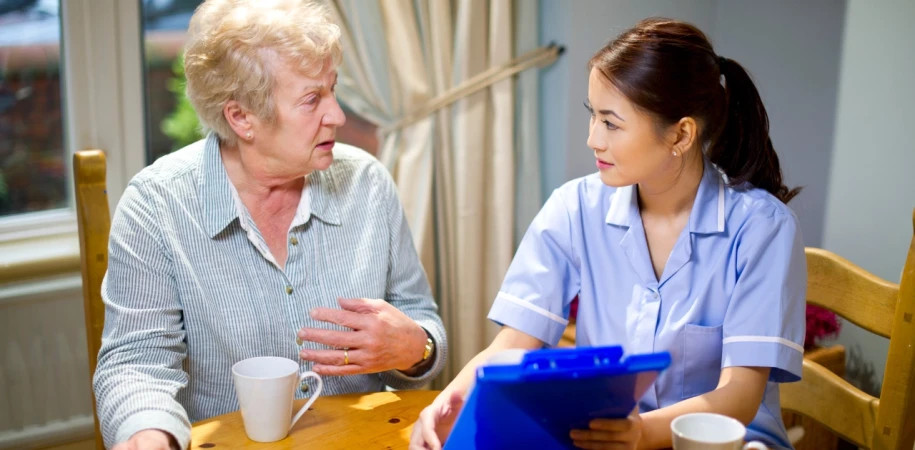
column 681, row 243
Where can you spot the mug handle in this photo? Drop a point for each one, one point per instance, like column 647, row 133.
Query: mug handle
column 311, row 400
column 755, row 445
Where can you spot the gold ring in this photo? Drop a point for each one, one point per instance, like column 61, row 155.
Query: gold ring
column 346, row 356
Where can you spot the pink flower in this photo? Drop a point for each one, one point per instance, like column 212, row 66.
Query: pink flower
column 821, row 323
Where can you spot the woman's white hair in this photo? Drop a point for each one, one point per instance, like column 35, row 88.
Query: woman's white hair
column 231, row 48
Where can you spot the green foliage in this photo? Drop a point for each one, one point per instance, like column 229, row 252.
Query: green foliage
column 4, row 191
column 181, row 125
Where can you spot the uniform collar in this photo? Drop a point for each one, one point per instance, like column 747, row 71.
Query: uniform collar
column 220, row 199
column 623, row 205
column 707, row 215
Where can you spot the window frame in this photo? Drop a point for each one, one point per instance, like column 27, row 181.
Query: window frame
column 103, row 107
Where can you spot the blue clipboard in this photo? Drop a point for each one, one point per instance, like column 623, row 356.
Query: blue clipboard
column 537, row 401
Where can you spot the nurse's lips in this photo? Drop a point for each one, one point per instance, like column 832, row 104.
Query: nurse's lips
column 603, row 165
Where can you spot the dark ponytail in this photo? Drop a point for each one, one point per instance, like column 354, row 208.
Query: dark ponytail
column 669, row 69
column 744, row 149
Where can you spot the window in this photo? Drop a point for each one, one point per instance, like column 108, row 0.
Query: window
column 120, row 65
column 33, row 169
column 170, row 121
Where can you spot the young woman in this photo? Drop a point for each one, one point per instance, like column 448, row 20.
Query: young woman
column 681, row 243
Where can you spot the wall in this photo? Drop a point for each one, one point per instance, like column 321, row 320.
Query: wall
column 583, row 27
column 872, row 187
column 44, row 369
column 791, row 49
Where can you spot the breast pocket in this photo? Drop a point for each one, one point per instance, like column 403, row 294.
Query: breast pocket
column 701, row 355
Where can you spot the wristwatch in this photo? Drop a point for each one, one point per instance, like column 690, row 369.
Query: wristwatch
column 430, row 347
column 428, row 350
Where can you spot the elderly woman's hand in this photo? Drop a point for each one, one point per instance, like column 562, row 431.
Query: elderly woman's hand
column 149, row 439
column 382, row 338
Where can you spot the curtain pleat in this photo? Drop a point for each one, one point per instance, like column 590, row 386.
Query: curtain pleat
column 456, row 169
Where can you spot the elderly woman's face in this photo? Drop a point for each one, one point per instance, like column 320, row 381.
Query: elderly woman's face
column 307, row 117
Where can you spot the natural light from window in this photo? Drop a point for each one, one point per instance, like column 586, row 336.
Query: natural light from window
column 33, row 171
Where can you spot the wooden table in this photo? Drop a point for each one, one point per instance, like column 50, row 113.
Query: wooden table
column 380, row 420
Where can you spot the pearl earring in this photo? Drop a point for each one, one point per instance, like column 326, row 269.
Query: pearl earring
column 675, row 153
column 249, row 135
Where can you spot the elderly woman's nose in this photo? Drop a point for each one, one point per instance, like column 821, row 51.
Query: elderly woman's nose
column 334, row 116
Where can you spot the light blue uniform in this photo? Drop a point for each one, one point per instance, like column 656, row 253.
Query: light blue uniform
column 732, row 292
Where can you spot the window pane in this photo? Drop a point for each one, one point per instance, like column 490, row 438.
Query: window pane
column 32, row 167
column 170, row 123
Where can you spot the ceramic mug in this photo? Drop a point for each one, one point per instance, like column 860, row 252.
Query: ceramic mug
column 709, row 431
column 265, row 387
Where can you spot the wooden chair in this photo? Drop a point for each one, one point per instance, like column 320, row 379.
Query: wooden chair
column 94, row 221
column 883, row 308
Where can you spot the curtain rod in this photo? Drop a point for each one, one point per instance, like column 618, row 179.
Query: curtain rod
column 540, row 57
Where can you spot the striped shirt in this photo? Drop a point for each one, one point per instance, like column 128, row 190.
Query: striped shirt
column 192, row 287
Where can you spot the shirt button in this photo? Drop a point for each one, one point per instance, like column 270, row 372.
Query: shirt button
column 293, row 240
column 298, row 341
column 303, row 387
column 654, row 295
column 289, row 289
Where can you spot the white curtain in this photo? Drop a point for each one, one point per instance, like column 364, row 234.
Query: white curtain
column 457, row 168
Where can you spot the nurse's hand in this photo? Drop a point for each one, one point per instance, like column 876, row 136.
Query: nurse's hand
column 435, row 422
column 610, row 433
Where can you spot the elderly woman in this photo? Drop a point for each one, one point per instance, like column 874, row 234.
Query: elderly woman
column 265, row 238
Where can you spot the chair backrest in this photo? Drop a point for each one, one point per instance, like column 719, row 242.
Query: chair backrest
column 94, row 219
column 883, row 308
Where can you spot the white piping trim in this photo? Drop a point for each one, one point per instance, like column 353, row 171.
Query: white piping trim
column 773, row 339
column 511, row 298
column 720, row 205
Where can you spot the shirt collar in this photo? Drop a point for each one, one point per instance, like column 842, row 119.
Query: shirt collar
column 324, row 196
column 707, row 215
column 215, row 189
column 623, row 204
column 221, row 203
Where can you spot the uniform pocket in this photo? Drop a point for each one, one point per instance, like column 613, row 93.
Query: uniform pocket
column 701, row 359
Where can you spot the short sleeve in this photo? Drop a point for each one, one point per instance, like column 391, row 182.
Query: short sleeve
column 764, row 323
column 543, row 277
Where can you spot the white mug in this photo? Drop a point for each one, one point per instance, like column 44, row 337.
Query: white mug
column 709, row 431
column 265, row 387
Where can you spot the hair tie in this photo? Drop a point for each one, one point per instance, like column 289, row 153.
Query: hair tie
column 721, row 61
